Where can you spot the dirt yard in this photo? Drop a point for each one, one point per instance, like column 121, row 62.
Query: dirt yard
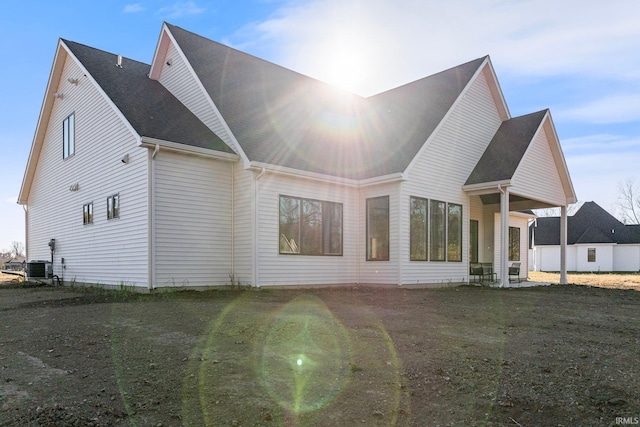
column 544, row 356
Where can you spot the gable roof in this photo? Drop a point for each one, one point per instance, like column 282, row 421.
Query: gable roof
column 590, row 224
column 284, row 118
column 506, row 149
column 150, row 108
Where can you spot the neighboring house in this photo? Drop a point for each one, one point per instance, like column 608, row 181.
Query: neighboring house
column 597, row 241
column 12, row 263
column 245, row 169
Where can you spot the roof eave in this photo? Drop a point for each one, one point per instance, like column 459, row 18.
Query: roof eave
column 149, row 142
column 42, row 124
column 481, row 188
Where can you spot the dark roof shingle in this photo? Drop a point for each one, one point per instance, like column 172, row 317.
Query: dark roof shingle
column 150, row 108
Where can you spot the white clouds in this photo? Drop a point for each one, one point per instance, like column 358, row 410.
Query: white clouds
column 402, row 41
column 621, row 108
column 133, row 8
column 180, row 9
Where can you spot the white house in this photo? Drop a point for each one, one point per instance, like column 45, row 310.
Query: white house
column 242, row 168
column 597, row 242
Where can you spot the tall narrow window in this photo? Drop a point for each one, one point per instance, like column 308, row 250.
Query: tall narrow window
column 310, row 227
column 591, row 254
column 87, row 213
column 68, row 136
column 437, row 230
column 378, row 229
column 473, row 241
column 113, row 206
column 454, row 232
column 418, row 229
column 514, row 244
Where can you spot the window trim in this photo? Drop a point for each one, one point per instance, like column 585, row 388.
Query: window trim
column 368, row 248
column 87, row 213
column 324, row 228
column 460, row 222
column 113, row 206
column 433, row 202
column 69, row 136
column 591, row 254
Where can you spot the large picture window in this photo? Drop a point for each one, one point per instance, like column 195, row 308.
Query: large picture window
column 378, row 229
column 514, row 244
column 418, row 229
column 454, row 232
column 68, row 136
column 310, row 227
column 437, row 230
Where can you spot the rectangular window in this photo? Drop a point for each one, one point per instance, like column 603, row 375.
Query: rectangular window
column 310, row 227
column 437, row 230
column 591, row 255
column 68, row 136
column 454, row 232
column 418, row 229
column 473, row 241
column 378, row 229
column 87, row 213
column 113, row 206
column 514, row 244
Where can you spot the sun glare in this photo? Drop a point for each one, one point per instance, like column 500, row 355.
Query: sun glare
column 344, row 61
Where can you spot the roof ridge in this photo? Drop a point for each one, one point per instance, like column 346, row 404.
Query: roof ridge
column 67, row 42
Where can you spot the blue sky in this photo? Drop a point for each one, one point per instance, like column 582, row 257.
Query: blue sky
column 579, row 58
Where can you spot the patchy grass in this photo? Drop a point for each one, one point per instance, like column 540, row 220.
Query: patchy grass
column 604, row 280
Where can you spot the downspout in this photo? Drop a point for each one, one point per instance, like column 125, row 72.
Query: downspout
column 152, row 218
column 26, row 233
column 504, row 234
column 256, row 227
column 233, row 211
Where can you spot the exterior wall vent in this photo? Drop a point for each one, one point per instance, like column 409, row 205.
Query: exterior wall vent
column 119, row 63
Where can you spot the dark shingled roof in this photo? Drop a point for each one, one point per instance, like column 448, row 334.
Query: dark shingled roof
column 591, row 224
column 503, row 154
column 150, row 108
column 285, row 118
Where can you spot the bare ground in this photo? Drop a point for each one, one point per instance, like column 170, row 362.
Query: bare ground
column 545, row 356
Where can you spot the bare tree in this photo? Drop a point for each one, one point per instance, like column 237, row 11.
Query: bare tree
column 629, row 201
column 552, row 212
column 17, row 248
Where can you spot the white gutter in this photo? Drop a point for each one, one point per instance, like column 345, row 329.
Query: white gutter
column 149, row 142
column 297, row 173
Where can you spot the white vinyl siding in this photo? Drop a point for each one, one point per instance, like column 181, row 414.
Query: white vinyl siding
column 441, row 170
column 179, row 80
column 626, row 258
column 522, row 224
column 243, row 224
column 107, row 252
column 278, row 269
column 537, row 175
column 193, row 221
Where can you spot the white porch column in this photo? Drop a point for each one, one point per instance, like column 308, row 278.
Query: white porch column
column 563, row 245
column 504, row 236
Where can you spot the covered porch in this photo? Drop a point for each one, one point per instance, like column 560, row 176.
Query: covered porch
column 522, row 169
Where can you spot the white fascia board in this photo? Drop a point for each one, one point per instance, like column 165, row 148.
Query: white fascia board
column 149, row 142
column 502, row 103
column 558, row 156
column 486, row 187
column 160, row 54
column 259, row 166
column 206, row 94
column 522, row 214
column 43, row 122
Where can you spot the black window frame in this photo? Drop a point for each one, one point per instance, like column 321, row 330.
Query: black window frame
column 450, row 230
column 113, row 206
column 591, row 254
column 437, row 253
column 87, row 213
column 418, row 229
column 69, row 136
column 514, row 244
column 309, row 213
column 383, row 248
